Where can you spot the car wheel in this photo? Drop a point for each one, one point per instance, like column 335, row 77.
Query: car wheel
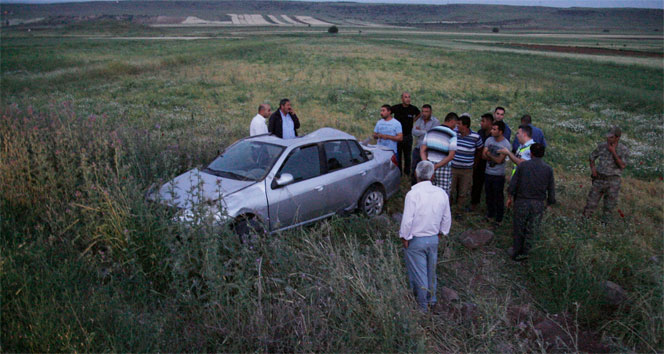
column 249, row 229
column 372, row 201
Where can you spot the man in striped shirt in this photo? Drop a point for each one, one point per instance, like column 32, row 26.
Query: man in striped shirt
column 468, row 144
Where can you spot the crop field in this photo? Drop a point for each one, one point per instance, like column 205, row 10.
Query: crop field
column 93, row 114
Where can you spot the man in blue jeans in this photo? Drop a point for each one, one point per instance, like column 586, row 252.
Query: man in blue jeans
column 426, row 216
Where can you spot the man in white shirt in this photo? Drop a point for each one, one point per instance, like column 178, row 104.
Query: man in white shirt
column 426, row 216
column 258, row 125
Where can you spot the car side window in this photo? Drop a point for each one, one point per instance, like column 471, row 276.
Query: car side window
column 356, row 152
column 303, row 163
column 337, row 155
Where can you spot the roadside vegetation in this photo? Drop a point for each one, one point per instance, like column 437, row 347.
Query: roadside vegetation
column 88, row 265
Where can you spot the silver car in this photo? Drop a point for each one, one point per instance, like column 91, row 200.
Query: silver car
column 275, row 184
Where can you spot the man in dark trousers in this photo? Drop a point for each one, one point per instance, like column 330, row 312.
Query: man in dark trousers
column 531, row 190
column 406, row 114
column 486, row 123
column 284, row 122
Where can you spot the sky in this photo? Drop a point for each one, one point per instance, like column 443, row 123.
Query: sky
column 655, row 4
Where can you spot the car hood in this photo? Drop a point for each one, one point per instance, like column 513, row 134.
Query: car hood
column 195, row 186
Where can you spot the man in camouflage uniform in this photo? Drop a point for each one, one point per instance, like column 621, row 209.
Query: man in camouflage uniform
column 606, row 176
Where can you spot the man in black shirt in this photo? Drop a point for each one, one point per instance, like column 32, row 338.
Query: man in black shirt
column 531, row 190
column 406, row 114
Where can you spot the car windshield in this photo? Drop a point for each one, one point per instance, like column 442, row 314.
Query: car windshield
column 246, row 160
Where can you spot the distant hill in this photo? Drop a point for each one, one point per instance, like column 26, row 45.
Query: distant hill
column 345, row 13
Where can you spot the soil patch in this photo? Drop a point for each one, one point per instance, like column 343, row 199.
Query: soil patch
column 586, row 50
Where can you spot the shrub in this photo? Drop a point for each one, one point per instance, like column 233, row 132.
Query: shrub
column 495, row 30
column 333, row 29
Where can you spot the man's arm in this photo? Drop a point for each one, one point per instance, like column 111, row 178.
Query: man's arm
column 593, row 156
column 445, row 161
column 512, row 189
column 551, row 189
column 407, row 220
column 485, row 153
column 616, row 158
column 497, row 159
column 397, row 138
column 446, row 221
column 296, row 121
column 511, row 155
column 418, row 131
column 272, row 125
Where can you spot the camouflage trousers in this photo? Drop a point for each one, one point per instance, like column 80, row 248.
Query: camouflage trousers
column 607, row 186
column 525, row 223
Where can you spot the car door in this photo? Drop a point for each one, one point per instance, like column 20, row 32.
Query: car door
column 303, row 200
column 346, row 174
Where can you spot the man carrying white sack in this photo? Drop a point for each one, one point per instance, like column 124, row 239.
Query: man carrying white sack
column 426, row 217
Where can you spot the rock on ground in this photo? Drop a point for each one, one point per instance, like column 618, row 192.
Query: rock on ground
column 614, row 293
column 475, row 238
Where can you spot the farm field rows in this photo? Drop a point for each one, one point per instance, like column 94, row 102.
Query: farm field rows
column 93, row 115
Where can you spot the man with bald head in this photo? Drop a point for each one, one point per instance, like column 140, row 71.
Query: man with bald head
column 406, row 114
column 258, row 125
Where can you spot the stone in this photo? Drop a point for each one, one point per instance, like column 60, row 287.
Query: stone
column 449, row 295
column 614, row 293
column 504, row 348
column 381, row 220
column 469, row 311
column 397, row 217
column 555, row 333
column 473, row 239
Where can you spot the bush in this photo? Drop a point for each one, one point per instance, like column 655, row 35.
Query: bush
column 333, row 29
column 495, row 30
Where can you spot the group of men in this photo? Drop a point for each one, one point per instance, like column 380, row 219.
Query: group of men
column 451, row 162
column 282, row 123
column 470, row 161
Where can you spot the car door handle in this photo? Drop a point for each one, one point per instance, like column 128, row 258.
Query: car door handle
column 319, row 188
column 363, row 173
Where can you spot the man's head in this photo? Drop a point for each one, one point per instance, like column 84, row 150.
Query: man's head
column 385, row 111
column 497, row 129
column 613, row 135
column 451, row 120
column 265, row 110
column 405, row 98
column 487, row 121
column 526, row 119
column 537, row 150
column 524, row 134
column 426, row 111
column 499, row 113
column 424, row 171
column 285, row 105
column 464, row 127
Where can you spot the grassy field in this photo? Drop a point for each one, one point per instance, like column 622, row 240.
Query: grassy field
column 91, row 119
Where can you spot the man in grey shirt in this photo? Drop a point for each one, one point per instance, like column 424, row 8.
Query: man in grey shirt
column 420, row 129
column 494, row 181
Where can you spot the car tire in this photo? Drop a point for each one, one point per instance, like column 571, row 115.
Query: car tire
column 249, row 229
column 372, row 201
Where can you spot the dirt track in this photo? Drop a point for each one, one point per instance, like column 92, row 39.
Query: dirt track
column 587, row 50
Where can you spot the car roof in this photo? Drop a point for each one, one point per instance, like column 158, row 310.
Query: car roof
column 321, row 134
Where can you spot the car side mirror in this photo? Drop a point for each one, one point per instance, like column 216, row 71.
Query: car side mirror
column 283, row 180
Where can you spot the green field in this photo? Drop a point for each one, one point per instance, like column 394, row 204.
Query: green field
column 93, row 115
